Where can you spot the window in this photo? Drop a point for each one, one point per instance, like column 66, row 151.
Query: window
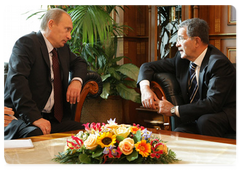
column 168, row 19
column 15, row 25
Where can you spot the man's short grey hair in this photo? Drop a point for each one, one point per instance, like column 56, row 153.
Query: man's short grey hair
column 54, row 14
column 196, row 27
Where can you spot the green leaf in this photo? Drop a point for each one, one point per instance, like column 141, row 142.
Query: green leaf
column 84, row 159
column 101, row 61
column 127, row 93
column 114, row 60
column 129, row 70
column 137, row 136
column 36, row 13
column 132, row 156
column 130, row 83
column 105, row 90
column 97, row 153
column 92, row 21
column 120, row 138
column 104, row 77
column 115, row 74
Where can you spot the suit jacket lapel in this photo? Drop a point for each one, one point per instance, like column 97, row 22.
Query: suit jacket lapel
column 184, row 79
column 44, row 50
column 202, row 72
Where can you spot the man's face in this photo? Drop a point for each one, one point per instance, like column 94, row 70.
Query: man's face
column 185, row 44
column 61, row 32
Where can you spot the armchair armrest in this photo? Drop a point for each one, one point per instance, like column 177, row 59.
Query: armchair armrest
column 91, row 88
column 166, row 84
column 169, row 87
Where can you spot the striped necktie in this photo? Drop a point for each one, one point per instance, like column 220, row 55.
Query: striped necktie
column 193, row 86
column 57, row 85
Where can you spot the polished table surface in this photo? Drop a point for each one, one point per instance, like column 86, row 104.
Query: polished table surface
column 189, row 148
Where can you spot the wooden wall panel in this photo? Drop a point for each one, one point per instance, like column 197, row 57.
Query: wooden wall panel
column 136, row 49
column 228, row 47
column 217, row 18
column 135, row 45
column 222, row 34
column 204, row 12
column 136, row 40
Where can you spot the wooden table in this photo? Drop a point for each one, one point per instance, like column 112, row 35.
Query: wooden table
column 190, row 148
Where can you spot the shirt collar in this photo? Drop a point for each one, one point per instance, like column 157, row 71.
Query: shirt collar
column 48, row 44
column 199, row 60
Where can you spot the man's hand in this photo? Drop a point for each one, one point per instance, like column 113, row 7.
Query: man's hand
column 148, row 97
column 7, row 119
column 44, row 125
column 164, row 107
column 73, row 92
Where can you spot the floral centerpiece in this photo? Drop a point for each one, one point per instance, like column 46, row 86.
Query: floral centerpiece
column 113, row 143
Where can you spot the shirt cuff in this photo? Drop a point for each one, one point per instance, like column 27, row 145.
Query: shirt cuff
column 177, row 111
column 79, row 79
column 144, row 83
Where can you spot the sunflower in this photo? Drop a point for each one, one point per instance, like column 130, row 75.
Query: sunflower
column 106, row 139
column 143, row 148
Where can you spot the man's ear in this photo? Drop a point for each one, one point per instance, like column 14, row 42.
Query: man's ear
column 50, row 24
column 198, row 41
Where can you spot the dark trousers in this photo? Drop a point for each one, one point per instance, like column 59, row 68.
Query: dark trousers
column 18, row 128
column 216, row 124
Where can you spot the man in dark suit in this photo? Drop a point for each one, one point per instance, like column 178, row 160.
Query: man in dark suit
column 32, row 79
column 209, row 91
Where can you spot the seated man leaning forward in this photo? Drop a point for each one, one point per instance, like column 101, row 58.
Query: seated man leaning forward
column 207, row 80
column 37, row 86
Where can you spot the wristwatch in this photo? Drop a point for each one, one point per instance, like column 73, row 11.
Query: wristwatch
column 173, row 110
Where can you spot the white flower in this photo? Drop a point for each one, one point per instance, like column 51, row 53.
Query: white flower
column 111, row 121
column 82, row 135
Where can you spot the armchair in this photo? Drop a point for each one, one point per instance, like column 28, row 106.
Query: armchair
column 92, row 87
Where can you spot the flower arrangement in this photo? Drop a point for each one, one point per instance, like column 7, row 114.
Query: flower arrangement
column 113, row 143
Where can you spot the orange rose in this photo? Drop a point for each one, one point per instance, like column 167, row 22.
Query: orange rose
column 126, row 146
